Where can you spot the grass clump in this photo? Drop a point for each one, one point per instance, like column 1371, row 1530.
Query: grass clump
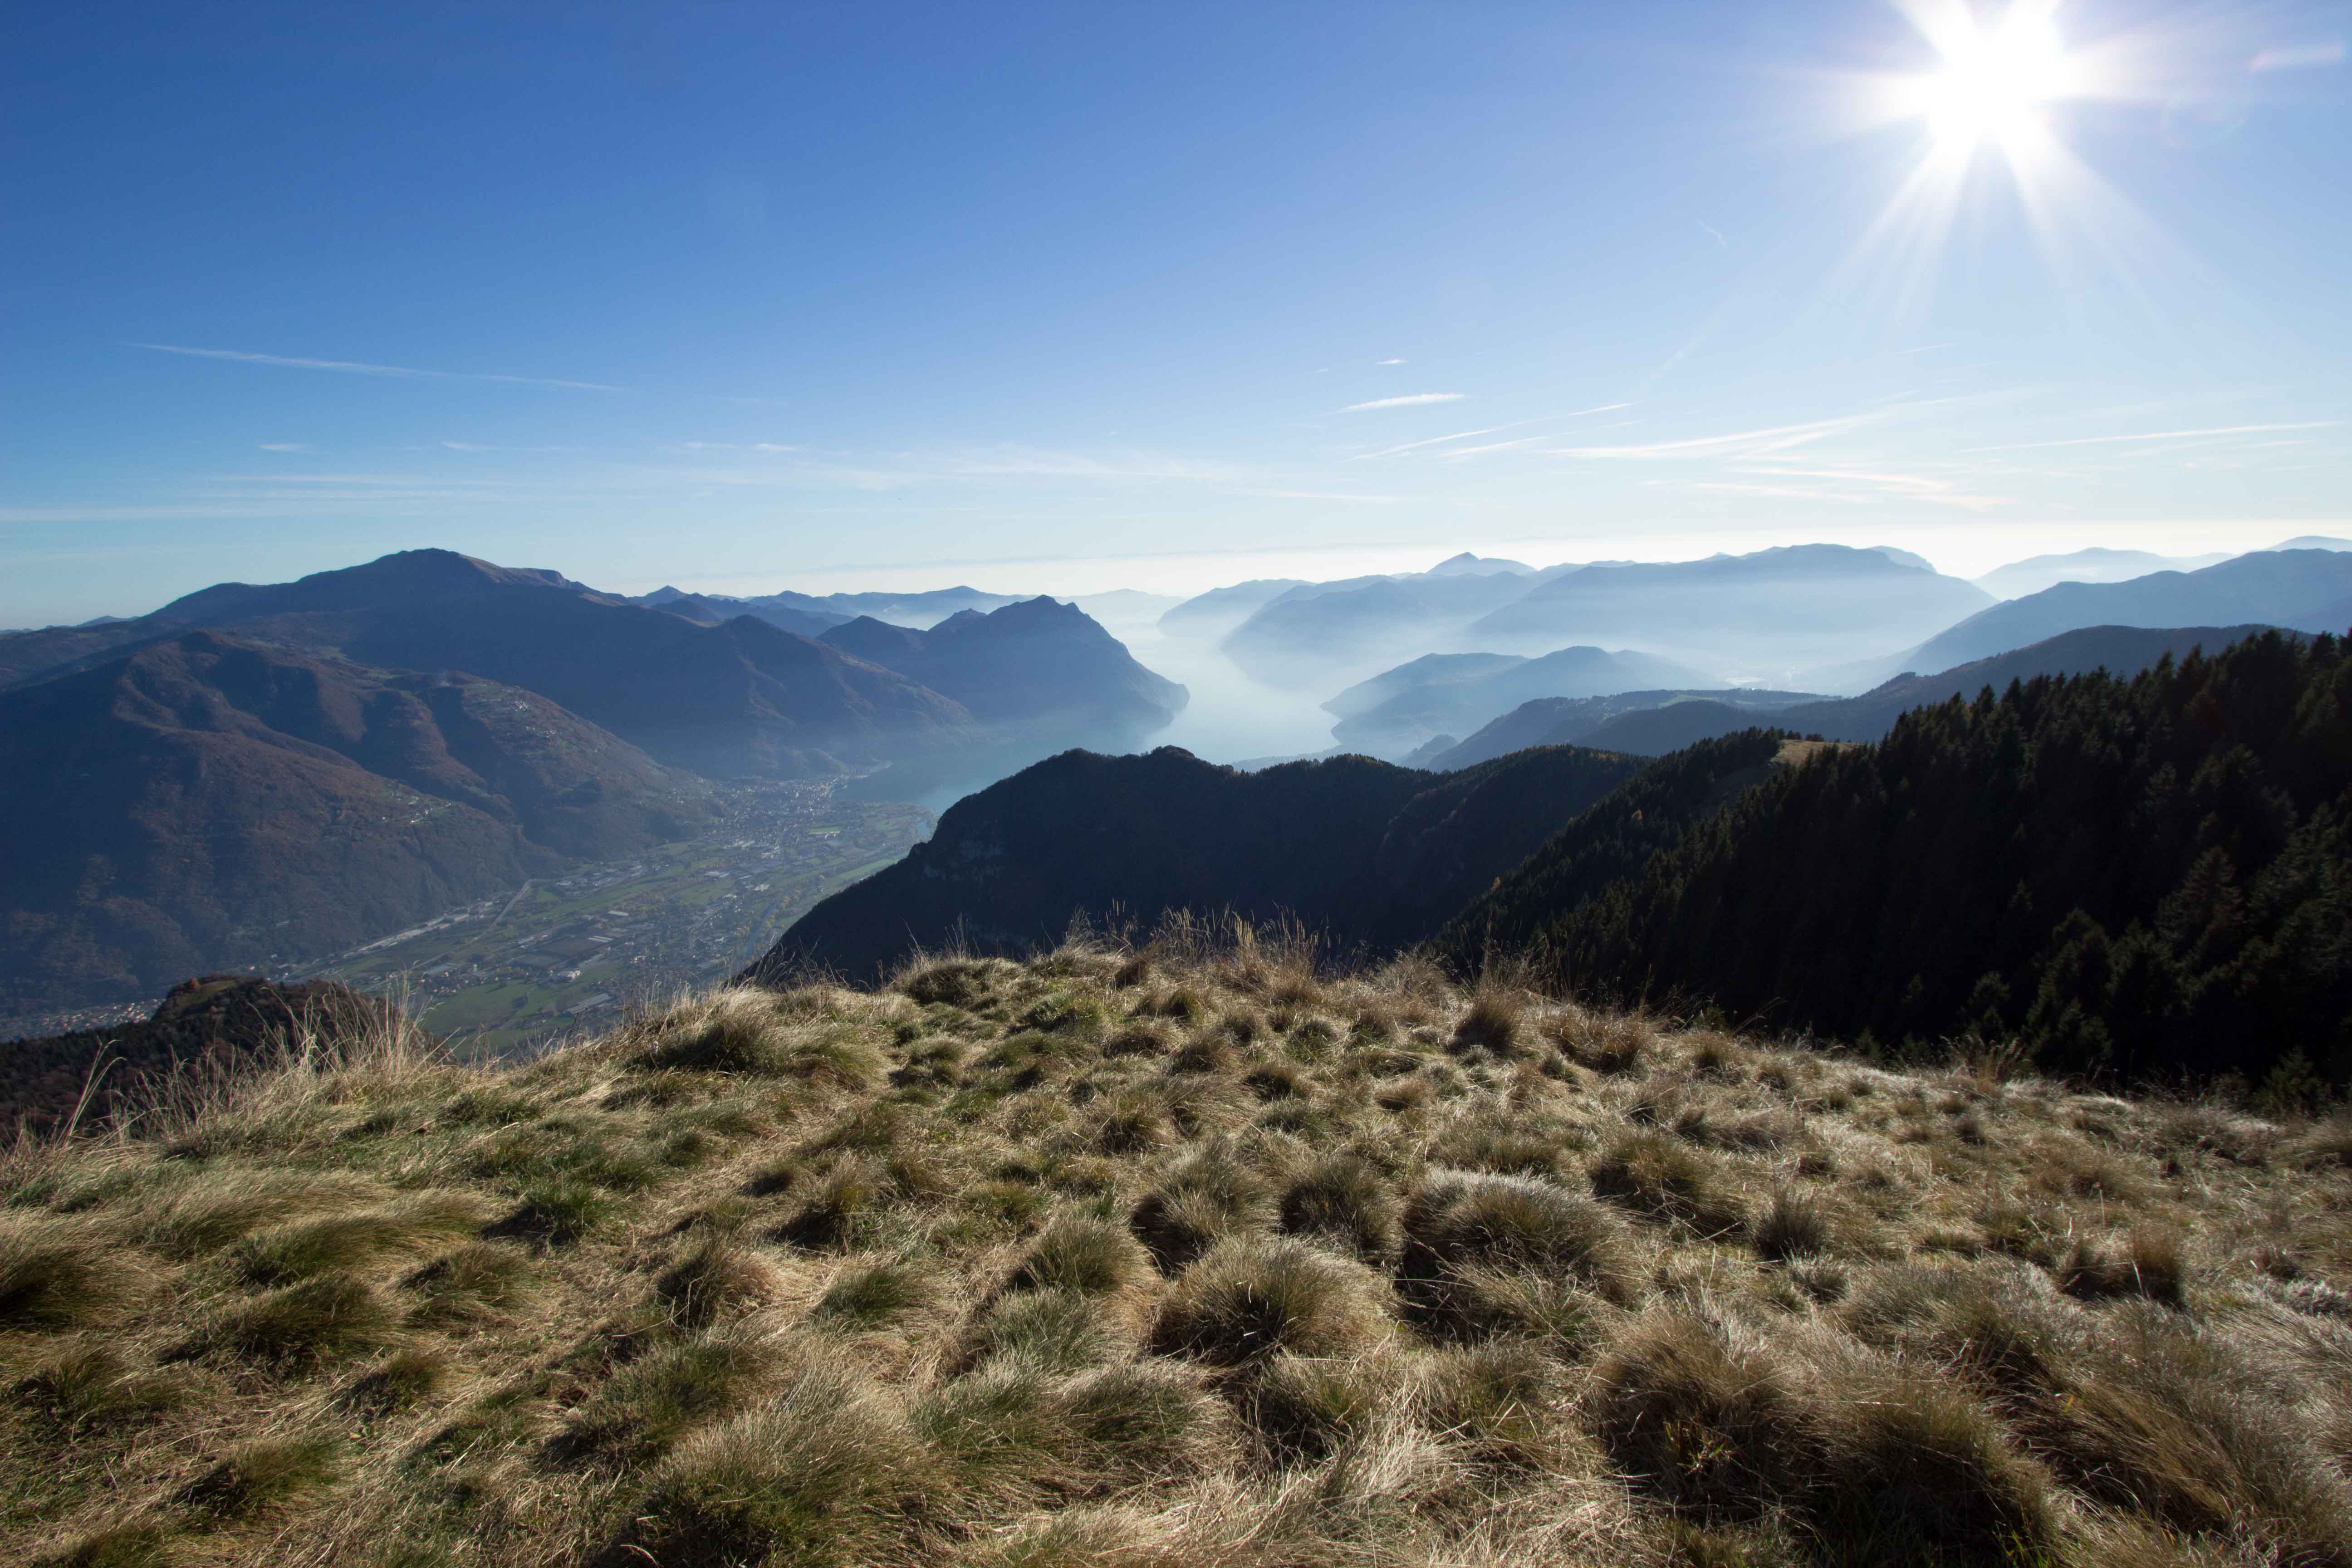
column 476, row 1283
column 1305, row 1407
column 258, row 1477
column 642, row 1409
column 322, row 1319
column 54, row 1281
column 1661, row 1178
column 755, row 1033
column 90, row 1382
column 1460, row 1220
column 821, row 1475
column 2147, row 1264
column 718, row 1279
column 400, row 1380
column 1791, row 1225
column 1703, row 1423
column 1055, row 1329
column 1342, row 1199
column 1082, row 1253
column 1250, row 1297
column 350, row 1241
column 870, row 1297
column 1204, row 1201
column 1493, row 1023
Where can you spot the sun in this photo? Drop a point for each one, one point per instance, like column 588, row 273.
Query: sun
column 1995, row 84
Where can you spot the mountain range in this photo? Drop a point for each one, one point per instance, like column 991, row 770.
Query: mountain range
column 2036, row 572
column 2303, row 589
column 809, row 614
column 1763, row 613
column 204, row 802
column 266, row 773
column 1652, row 723
column 1402, row 709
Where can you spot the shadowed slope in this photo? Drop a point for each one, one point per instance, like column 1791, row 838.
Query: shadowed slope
column 206, row 802
column 1358, row 850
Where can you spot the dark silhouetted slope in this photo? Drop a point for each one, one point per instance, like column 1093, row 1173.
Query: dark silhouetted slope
column 2142, row 877
column 1358, row 849
column 206, row 1028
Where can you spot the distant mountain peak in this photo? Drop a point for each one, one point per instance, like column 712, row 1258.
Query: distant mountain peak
column 1469, row 565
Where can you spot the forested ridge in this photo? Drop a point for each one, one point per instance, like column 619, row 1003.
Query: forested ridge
column 2140, row 878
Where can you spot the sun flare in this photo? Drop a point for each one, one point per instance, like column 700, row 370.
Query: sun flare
column 1995, row 84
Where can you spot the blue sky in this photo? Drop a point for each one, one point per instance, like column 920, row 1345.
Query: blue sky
column 1091, row 295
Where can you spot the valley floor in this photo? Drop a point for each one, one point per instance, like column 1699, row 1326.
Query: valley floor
column 1187, row 1256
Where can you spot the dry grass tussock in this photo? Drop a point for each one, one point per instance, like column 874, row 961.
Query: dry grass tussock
column 1194, row 1254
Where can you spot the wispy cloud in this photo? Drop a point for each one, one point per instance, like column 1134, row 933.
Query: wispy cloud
column 2216, row 430
column 1487, row 430
column 1714, row 234
column 288, row 446
column 354, row 367
column 1738, row 443
column 1387, row 362
column 2299, row 57
column 1408, row 401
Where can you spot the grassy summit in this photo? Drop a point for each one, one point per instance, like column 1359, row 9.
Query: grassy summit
column 1187, row 1256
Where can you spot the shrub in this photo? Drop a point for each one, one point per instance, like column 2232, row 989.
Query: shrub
column 258, row 1476
column 716, row 1280
column 869, row 1297
column 1659, row 1178
column 1458, row 1218
column 1343, row 1199
column 1249, row 1297
column 1079, row 1252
